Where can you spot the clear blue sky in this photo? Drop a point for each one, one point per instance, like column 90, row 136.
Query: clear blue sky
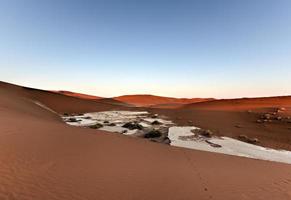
column 206, row 48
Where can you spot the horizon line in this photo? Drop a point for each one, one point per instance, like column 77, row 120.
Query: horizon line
column 141, row 94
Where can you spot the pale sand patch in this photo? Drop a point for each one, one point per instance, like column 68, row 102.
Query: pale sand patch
column 229, row 146
column 180, row 136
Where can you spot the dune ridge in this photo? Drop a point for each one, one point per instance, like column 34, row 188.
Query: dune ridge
column 243, row 103
column 76, row 94
column 152, row 100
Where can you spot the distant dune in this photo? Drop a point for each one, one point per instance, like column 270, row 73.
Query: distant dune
column 244, row 103
column 151, row 100
column 43, row 158
column 139, row 100
column 102, row 100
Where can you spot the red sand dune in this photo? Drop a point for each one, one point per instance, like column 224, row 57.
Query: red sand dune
column 243, row 103
column 151, row 100
column 43, row 158
column 69, row 104
column 138, row 100
column 91, row 97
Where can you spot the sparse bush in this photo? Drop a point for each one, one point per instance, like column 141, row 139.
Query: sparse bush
column 202, row 132
column 96, row 126
column 132, row 126
column 72, row 119
column 156, row 122
column 153, row 134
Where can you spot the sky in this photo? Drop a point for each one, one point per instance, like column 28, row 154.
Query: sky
column 179, row 48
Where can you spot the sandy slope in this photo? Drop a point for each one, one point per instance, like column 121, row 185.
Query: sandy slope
column 67, row 104
column 43, row 158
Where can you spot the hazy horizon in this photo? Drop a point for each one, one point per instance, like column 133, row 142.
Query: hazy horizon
column 150, row 94
column 185, row 49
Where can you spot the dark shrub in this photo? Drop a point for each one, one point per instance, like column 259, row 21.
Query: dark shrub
column 72, row 119
column 96, row 126
column 156, row 122
column 132, row 126
column 153, row 134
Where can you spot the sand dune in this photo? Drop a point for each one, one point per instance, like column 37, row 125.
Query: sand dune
column 115, row 102
column 243, row 103
column 67, row 104
column 43, row 158
column 138, row 100
column 151, row 100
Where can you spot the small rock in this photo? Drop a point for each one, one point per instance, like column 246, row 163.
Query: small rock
column 238, row 126
column 124, row 131
column 106, row 122
column 66, row 114
column 112, row 124
column 259, row 121
column 190, row 121
column 245, row 138
column 87, row 117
